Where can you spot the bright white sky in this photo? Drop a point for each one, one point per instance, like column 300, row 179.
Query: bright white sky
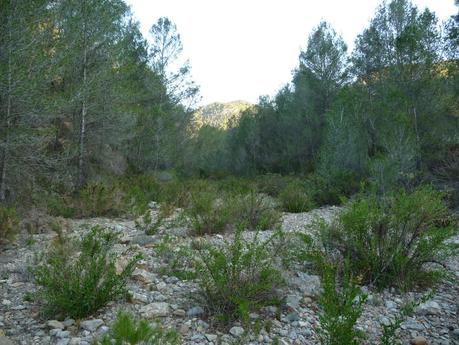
column 241, row 49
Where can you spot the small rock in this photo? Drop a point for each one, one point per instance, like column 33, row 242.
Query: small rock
column 6, row 302
column 195, row 311
column 429, row 308
column 5, row 341
column 179, row 312
column 75, row 341
column 63, row 334
column 418, row 341
column 91, row 325
column 55, row 324
column 156, row 309
column 68, row 322
column 293, row 301
column 236, row 331
column 63, row 341
column 211, row 337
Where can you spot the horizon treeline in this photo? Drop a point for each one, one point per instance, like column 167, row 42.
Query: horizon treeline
column 84, row 96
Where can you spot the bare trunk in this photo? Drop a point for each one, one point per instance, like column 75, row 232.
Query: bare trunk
column 7, row 120
column 83, row 111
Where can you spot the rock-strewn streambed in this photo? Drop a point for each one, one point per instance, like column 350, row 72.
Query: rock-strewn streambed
column 173, row 301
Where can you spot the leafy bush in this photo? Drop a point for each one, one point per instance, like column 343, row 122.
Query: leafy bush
column 76, row 280
column 140, row 191
column 330, row 190
column 207, row 213
column 254, row 211
column 388, row 241
column 61, row 206
column 126, row 329
column 100, row 199
column 294, row 198
column 238, row 277
column 235, row 185
column 341, row 307
column 8, row 222
column 271, row 184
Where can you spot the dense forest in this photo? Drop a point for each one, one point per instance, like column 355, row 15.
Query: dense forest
column 318, row 215
column 83, row 96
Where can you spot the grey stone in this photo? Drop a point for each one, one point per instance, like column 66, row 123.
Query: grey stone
column 429, row 308
column 91, row 325
column 55, row 324
column 236, row 331
column 156, row 309
column 5, row 341
column 308, row 284
column 293, row 301
column 195, row 311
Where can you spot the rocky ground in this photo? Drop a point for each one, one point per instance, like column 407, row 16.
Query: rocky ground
column 155, row 295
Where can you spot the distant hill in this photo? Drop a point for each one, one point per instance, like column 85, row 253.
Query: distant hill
column 220, row 115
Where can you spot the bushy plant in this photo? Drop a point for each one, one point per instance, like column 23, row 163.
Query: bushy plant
column 332, row 189
column 139, row 191
column 100, row 199
column 208, row 212
column 77, row 279
column 126, row 329
column 238, row 276
column 9, row 221
column 271, row 184
column 294, row 198
column 254, row 211
column 341, row 306
column 388, row 241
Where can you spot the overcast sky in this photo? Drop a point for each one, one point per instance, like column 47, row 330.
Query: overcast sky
column 241, row 49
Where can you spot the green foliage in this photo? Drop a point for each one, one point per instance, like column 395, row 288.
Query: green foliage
column 294, row 198
column 388, row 241
column 389, row 336
column 208, row 213
column 238, row 276
column 332, row 189
column 271, row 184
column 76, row 280
column 126, row 329
column 341, row 306
column 100, row 199
column 9, row 222
column 254, row 211
column 213, row 211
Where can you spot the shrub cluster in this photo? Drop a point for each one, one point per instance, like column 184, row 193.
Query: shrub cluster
column 238, row 276
column 9, row 221
column 389, row 240
column 77, row 279
column 126, row 329
column 211, row 211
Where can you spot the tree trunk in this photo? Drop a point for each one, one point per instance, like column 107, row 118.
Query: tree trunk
column 81, row 178
column 7, row 119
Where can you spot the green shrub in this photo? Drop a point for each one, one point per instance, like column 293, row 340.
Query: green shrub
column 9, row 221
column 235, row 185
column 271, row 184
column 238, row 277
column 295, row 199
column 61, row 206
column 389, row 240
column 254, row 211
column 139, row 191
column 101, row 199
column 211, row 211
column 126, row 329
column 208, row 213
column 77, row 279
column 331, row 190
column 341, row 306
